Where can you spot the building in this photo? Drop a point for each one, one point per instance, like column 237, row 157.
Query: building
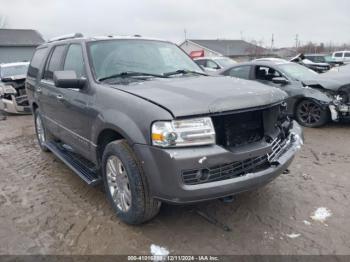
column 236, row 49
column 17, row 45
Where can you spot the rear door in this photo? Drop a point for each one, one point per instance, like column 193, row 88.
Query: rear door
column 50, row 105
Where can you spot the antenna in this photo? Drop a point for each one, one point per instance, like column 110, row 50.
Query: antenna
column 185, row 32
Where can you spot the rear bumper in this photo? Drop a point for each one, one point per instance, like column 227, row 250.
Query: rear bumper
column 11, row 106
column 163, row 169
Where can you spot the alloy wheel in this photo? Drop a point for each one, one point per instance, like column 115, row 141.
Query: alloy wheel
column 118, row 183
column 309, row 112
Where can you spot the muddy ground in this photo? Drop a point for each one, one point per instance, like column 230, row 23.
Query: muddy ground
column 45, row 208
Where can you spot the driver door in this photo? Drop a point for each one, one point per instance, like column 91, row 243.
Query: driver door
column 265, row 75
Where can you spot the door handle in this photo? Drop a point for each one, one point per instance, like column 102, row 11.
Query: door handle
column 59, row 97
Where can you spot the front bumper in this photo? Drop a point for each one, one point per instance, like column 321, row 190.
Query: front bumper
column 339, row 111
column 163, row 170
column 11, row 106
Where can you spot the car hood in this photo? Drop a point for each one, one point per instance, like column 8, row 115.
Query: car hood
column 329, row 81
column 202, row 95
column 13, row 78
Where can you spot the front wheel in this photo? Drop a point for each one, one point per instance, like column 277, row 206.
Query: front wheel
column 126, row 186
column 310, row 114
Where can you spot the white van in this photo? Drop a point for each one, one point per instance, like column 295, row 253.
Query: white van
column 342, row 56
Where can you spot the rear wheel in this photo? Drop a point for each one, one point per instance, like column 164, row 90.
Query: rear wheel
column 41, row 133
column 310, row 114
column 125, row 185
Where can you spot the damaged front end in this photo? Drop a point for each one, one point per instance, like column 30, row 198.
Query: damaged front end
column 252, row 147
column 340, row 106
column 13, row 98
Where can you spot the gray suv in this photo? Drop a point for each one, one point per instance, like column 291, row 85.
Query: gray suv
column 141, row 117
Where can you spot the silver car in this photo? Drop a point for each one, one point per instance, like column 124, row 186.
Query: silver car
column 13, row 98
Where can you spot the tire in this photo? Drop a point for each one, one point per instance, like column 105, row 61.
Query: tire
column 41, row 133
column 309, row 114
column 125, row 185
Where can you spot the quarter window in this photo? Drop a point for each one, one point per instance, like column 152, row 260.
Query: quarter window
column 74, row 60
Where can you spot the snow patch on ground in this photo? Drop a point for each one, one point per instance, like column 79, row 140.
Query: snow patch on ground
column 307, row 223
column 159, row 251
column 293, row 235
column 200, row 161
column 321, row 214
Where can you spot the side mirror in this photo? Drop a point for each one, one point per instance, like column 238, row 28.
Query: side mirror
column 68, row 79
column 280, row 80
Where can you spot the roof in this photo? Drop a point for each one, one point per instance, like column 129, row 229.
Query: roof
column 20, row 37
column 65, row 39
column 229, row 47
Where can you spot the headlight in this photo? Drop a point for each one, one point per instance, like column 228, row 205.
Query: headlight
column 8, row 89
column 342, row 97
column 188, row 132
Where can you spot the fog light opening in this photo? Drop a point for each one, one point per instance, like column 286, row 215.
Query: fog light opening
column 203, row 174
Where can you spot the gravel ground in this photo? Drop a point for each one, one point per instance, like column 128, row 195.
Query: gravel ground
column 46, row 209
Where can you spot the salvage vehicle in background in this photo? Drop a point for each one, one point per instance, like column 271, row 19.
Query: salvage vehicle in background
column 316, row 66
column 214, row 63
column 140, row 116
column 314, row 98
column 13, row 96
column 323, row 58
column 341, row 56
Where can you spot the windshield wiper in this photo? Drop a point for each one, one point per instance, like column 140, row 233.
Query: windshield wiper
column 184, row 72
column 129, row 74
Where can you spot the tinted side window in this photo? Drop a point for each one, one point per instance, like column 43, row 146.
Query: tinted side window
column 240, row 72
column 36, row 62
column 338, row 54
column 347, row 55
column 74, row 60
column 55, row 61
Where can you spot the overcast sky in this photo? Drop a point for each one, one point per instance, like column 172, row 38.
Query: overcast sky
column 314, row 20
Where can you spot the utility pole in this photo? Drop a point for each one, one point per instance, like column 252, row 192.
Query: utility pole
column 272, row 43
column 296, row 42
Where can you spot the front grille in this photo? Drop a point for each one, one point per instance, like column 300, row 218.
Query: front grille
column 223, row 172
column 22, row 100
column 235, row 169
column 239, row 129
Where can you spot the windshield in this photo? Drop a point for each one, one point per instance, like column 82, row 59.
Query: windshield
column 113, row 57
column 225, row 62
column 298, row 72
column 16, row 70
column 316, row 59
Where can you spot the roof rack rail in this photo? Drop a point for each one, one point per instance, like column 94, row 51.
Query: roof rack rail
column 64, row 37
